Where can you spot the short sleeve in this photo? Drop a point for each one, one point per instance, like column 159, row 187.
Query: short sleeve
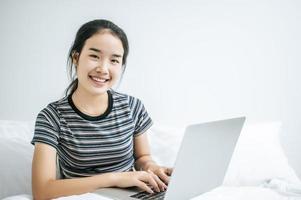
column 141, row 118
column 46, row 128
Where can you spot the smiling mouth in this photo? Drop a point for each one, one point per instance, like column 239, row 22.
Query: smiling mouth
column 99, row 79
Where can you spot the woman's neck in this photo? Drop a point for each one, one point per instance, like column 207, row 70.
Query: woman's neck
column 89, row 104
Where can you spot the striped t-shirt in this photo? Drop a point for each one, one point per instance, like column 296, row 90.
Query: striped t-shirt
column 89, row 145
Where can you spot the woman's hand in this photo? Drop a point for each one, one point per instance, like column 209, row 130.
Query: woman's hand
column 144, row 162
column 142, row 179
column 163, row 173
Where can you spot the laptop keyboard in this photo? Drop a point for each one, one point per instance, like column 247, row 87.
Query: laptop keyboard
column 146, row 195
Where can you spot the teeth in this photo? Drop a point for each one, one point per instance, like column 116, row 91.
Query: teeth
column 98, row 79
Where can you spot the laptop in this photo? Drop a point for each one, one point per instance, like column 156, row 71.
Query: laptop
column 201, row 163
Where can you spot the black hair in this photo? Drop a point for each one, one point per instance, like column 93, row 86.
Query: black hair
column 86, row 31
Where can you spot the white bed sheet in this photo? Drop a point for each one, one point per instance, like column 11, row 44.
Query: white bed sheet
column 220, row 193
column 245, row 193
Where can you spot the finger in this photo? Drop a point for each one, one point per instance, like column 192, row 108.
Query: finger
column 144, row 187
column 147, row 178
column 160, row 183
column 168, row 171
column 152, row 181
column 163, row 176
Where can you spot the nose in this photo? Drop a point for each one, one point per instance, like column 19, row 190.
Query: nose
column 102, row 67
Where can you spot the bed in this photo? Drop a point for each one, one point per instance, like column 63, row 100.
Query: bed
column 258, row 169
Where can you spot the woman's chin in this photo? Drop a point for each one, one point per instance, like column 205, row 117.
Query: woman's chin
column 99, row 91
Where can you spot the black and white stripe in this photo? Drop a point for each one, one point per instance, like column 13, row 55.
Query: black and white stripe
column 91, row 145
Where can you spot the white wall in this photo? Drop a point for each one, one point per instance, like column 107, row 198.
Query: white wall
column 189, row 60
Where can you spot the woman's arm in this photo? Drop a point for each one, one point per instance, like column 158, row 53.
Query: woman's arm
column 45, row 185
column 145, row 162
column 142, row 152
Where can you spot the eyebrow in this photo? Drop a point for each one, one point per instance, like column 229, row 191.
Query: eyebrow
column 99, row 51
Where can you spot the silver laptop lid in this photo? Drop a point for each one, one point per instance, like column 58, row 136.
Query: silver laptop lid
column 203, row 158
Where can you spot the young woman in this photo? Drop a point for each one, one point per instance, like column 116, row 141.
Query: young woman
column 94, row 136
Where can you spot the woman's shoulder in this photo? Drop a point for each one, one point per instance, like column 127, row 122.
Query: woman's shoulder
column 132, row 102
column 119, row 96
column 53, row 107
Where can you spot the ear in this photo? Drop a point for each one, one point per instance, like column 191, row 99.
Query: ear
column 75, row 57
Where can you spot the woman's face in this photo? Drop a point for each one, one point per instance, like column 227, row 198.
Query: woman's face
column 100, row 63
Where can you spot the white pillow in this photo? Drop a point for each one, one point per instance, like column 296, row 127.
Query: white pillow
column 258, row 157
column 15, row 168
column 16, row 156
column 22, row 130
column 165, row 142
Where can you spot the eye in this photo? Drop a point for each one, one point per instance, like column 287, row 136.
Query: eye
column 94, row 56
column 114, row 61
